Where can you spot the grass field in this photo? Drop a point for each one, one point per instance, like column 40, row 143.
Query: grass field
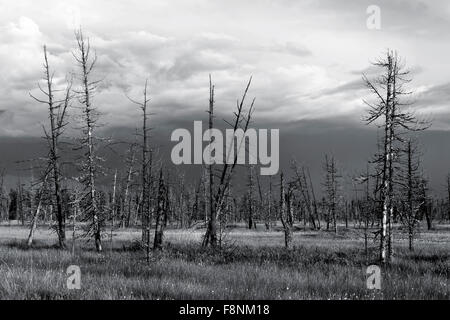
column 252, row 265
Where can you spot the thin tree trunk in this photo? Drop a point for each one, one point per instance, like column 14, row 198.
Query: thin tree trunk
column 127, row 209
column 284, row 215
column 113, row 209
column 160, row 214
column 35, row 218
column 211, row 232
column 90, row 122
column 74, row 225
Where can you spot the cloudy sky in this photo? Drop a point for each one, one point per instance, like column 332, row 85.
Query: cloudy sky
column 306, row 57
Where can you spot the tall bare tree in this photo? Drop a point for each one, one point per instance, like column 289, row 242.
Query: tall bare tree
column 57, row 109
column 146, row 173
column 390, row 108
column 126, row 208
column 89, row 143
column 242, row 122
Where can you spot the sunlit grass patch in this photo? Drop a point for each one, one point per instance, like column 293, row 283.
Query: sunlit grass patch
column 250, row 266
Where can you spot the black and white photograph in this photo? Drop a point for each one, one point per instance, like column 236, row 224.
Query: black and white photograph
column 245, row 152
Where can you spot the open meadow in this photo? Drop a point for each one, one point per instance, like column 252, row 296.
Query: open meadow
column 253, row 264
column 182, row 151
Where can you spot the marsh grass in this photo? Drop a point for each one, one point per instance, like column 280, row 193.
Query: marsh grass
column 252, row 265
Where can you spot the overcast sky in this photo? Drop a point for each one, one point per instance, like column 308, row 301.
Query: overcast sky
column 306, row 57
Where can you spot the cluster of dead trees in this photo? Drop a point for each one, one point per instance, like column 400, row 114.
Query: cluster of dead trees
column 143, row 194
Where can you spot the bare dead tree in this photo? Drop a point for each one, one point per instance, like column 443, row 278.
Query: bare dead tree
column 75, row 203
column 146, row 170
column 314, row 202
column 241, row 122
column 410, row 185
column 57, row 109
column 126, row 211
column 211, row 213
column 389, row 107
column 39, row 198
column 426, row 208
column 285, row 211
column 3, row 198
column 367, row 210
column 268, row 217
column 20, row 200
column 331, row 185
column 204, row 187
column 307, row 195
column 161, row 212
column 365, row 207
column 211, row 233
column 250, row 197
column 113, row 208
column 90, row 165
column 448, row 197
column 260, row 207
